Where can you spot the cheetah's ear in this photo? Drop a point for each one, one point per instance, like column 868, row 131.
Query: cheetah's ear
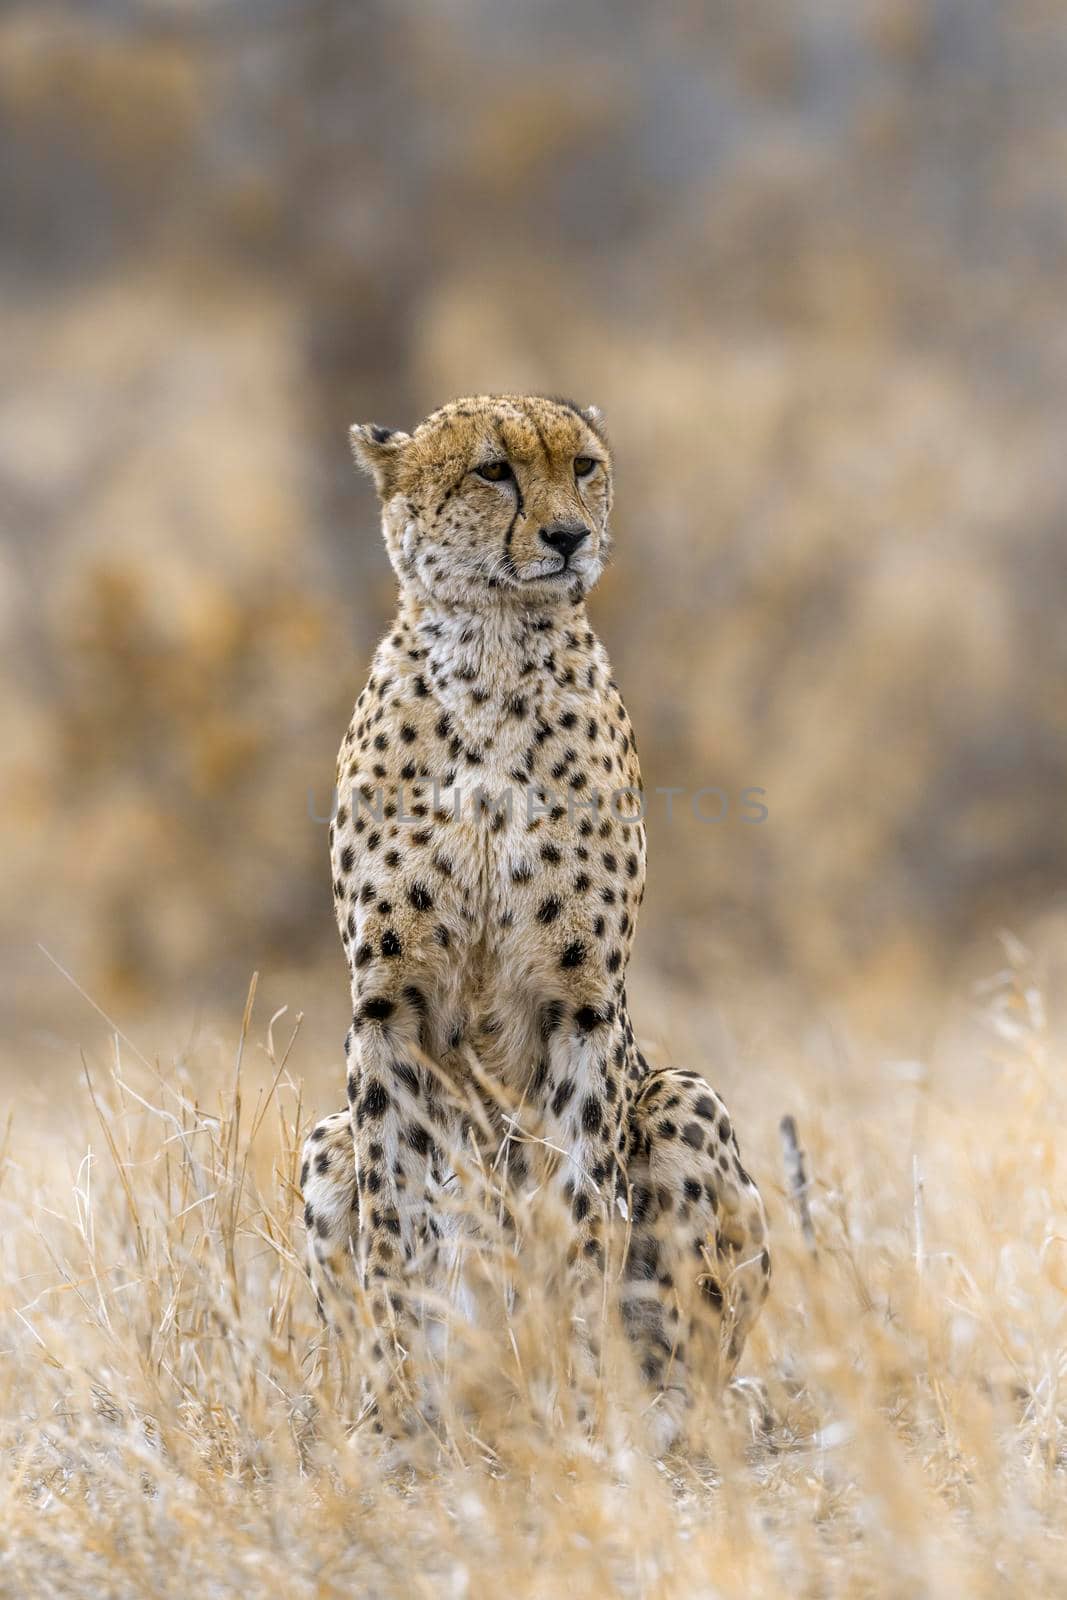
column 595, row 418
column 378, row 452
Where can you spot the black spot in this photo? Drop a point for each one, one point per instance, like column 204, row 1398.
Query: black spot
column 377, row 1009
column 408, row 733
column 391, row 945
column 551, row 1017
column 420, row 897
column 562, row 1096
column 574, row 955
column 375, row 1102
column 547, row 912
column 405, row 1073
column 591, row 1114
column 711, row 1291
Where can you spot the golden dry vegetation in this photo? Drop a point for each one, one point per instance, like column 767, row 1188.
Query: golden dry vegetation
column 810, row 261
column 174, row 1421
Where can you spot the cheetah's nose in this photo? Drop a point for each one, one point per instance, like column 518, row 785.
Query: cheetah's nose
column 564, row 537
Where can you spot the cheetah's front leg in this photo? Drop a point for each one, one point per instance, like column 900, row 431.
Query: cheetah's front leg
column 331, row 1217
column 583, row 1118
column 402, row 1128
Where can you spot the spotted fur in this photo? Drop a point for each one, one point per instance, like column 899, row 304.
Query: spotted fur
column 477, row 933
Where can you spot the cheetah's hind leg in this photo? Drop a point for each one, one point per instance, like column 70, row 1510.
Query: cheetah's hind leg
column 698, row 1268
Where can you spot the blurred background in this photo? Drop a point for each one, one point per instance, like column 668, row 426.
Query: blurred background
column 809, row 259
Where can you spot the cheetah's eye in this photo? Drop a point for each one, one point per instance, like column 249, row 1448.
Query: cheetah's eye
column 494, row 471
column 583, row 466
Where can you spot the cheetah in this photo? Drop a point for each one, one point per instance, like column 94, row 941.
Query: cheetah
column 488, row 857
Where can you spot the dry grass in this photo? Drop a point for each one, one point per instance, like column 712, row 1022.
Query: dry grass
column 172, row 1422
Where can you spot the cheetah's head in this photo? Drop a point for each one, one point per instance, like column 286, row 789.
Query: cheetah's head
column 502, row 497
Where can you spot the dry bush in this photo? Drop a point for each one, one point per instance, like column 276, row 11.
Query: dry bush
column 174, row 1421
column 808, row 258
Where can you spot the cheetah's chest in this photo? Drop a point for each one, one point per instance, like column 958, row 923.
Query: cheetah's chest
column 499, row 843
column 540, row 821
